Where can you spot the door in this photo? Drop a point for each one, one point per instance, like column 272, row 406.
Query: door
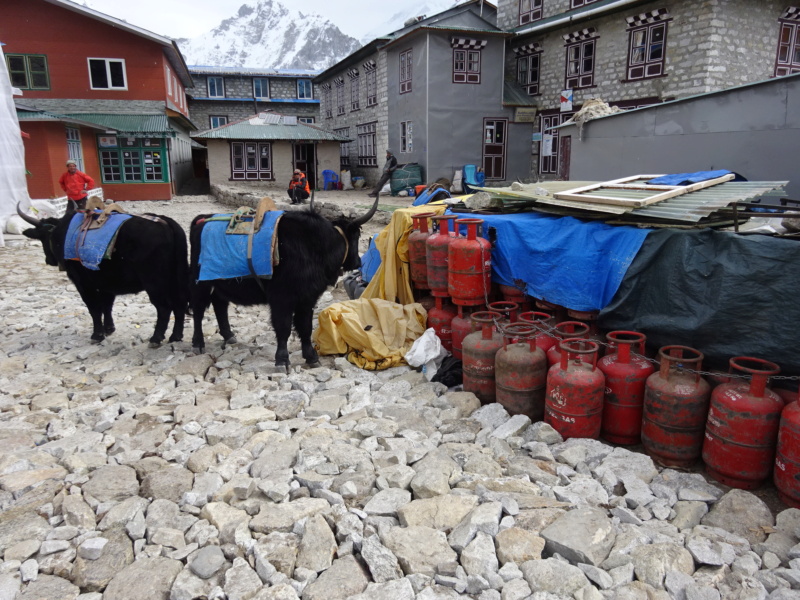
column 563, row 157
column 494, row 148
column 304, row 160
column 74, row 150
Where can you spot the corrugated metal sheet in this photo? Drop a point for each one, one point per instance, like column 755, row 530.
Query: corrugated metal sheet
column 514, row 95
column 251, row 71
column 156, row 125
column 270, row 131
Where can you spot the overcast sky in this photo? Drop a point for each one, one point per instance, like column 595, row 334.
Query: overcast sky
column 190, row 18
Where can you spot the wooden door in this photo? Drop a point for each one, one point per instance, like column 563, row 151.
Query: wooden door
column 495, row 132
column 304, row 160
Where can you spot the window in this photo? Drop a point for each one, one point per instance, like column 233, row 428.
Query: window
column 466, row 66
column 304, row 90
column 529, row 10
column 372, row 87
column 132, row 160
column 169, row 82
column 217, row 121
column 788, row 60
column 216, row 87
column 528, row 72
column 107, row 74
column 306, row 120
column 405, row 71
column 260, row 87
column 579, row 3
column 580, row 59
column 28, row 71
column 549, row 164
column 74, row 150
column 251, row 160
column 367, row 157
column 344, row 148
column 406, row 144
column 646, row 51
column 339, row 96
column 355, row 90
column 327, row 100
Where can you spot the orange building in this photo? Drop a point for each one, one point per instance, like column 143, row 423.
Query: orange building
column 105, row 93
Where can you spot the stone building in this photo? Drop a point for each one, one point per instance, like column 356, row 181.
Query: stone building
column 223, row 95
column 634, row 53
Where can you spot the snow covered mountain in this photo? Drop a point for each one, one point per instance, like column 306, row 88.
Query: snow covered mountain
column 396, row 21
column 266, row 34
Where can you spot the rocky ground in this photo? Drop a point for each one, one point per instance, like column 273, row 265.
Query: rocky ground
column 135, row 473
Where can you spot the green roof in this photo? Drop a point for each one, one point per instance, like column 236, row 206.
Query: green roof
column 43, row 115
column 255, row 128
column 514, row 95
column 156, row 125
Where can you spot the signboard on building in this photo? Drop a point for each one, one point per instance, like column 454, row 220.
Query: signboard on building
column 547, row 145
column 537, row 137
column 566, row 101
column 525, row 114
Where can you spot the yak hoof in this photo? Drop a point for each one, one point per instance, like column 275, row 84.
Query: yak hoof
column 231, row 340
column 110, row 330
column 154, row 345
column 199, row 349
column 313, row 364
column 97, row 338
column 175, row 338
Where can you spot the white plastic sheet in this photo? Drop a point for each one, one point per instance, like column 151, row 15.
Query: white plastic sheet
column 427, row 352
column 13, row 187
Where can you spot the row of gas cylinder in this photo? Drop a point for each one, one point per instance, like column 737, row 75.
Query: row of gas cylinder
column 740, row 428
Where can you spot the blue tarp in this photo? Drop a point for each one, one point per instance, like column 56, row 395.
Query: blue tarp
column 224, row 256
column 91, row 247
column 370, row 260
column 562, row 260
column 428, row 195
column 688, row 178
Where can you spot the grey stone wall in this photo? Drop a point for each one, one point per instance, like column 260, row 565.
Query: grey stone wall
column 241, row 86
column 201, row 110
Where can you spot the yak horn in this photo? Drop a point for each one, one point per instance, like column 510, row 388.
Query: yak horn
column 27, row 218
column 361, row 220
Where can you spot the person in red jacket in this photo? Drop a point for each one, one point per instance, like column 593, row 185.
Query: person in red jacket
column 298, row 187
column 75, row 184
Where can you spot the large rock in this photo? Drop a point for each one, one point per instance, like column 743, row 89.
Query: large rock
column 146, row 579
column 553, row 576
column 19, row 525
column 94, row 575
column 279, row 550
column 169, row 483
column 742, row 513
column 518, row 546
column 652, row 562
column 207, row 562
column 418, row 549
column 387, row 502
column 77, row 513
column 432, row 475
column 282, row 517
column 345, row 578
column 484, row 517
column 225, row 518
column 583, row 535
column 479, row 557
column 113, row 483
column 318, row 546
column 381, row 563
column 49, row 587
column 241, row 581
column 400, row 589
column 439, row 512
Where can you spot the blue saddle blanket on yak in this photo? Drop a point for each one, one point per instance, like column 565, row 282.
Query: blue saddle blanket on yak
column 224, row 256
column 93, row 245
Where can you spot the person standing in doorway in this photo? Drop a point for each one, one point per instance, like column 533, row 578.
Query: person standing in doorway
column 298, row 187
column 388, row 168
column 75, row 184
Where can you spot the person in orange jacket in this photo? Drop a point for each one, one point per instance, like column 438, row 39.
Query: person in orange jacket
column 298, row 187
column 75, row 184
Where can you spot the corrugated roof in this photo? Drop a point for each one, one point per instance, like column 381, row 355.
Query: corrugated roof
column 43, row 115
column 574, row 16
column 256, row 129
column 211, row 70
column 514, row 95
column 155, row 125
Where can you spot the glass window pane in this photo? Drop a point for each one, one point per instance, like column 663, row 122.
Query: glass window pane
column 588, row 65
column 658, row 34
column 588, row 49
column 18, row 79
column 796, row 59
column 637, row 56
column 97, row 72
column 117, row 74
column 39, row 80
column 656, row 52
column 786, row 34
column 37, row 63
column 783, row 54
column 638, row 37
column 16, row 63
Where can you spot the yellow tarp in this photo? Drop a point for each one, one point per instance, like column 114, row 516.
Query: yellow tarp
column 392, row 280
column 374, row 334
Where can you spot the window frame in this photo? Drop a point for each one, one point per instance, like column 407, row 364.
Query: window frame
column 367, row 149
column 108, row 62
column 302, row 95
column 554, row 118
column 256, row 173
column 27, row 71
column 792, row 46
column 339, row 85
column 112, row 159
column 406, row 137
column 223, row 118
column 406, row 70
column 221, row 84
column 466, row 73
column 306, row 119
column 262, row 81
column 646, row 63
column 74, row 147
column 533, row 12
column 532, row 85
column 344, row 147
column 580, row 3
column 583, row 79
column 372, row 87
column 355, row 92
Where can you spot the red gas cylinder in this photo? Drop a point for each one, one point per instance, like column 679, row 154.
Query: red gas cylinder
column 521, row 372
column 469, row 266
column 544, row 324
column 427, row 301
column 788, row 396
column 461, row 326
column 436, row 247
column 626, row 375
column 478, row 351
column 440, row 318
column 417, row 251
column 675, row 408
column 567, row 330
column 558, row 311
column 508, row 310
column 742, row 427
column 573, row 403
column 590, row 318
column 787, row 456
column 517, row 296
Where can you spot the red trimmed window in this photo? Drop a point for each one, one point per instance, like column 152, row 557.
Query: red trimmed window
column 579, row 3
column 466, row 66
column 580, row 65
column 529, row 11
column 647, row 51
column 528, row 72
column 788, row 60
column 406, row 59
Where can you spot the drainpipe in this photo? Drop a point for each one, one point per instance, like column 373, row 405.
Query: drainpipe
column 582, row 15
column 427, row 103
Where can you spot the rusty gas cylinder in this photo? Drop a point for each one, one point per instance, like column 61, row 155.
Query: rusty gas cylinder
column 742, row 426
column 436, row 248
column 508, row 310
column 461, row 326
column 544, row 324
column 567, row 330
column 440, row 317
column 574, row 398
column 478, row 351
column 559, row 312
column 469, row 266
column 589, row 317
column 626, row 374
column 417, row 250
column 517, row 296
column 787, row 456
column 675, row 408
column 521, row 372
